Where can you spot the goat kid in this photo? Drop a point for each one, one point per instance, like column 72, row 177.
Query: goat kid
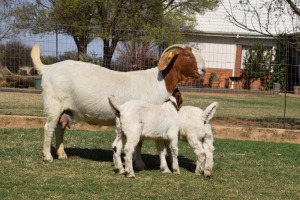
column 77, row 91
column 138, row 120
column 196, row 130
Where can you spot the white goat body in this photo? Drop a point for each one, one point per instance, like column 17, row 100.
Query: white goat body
column 138, row 120
column 196, row 129
column 80, row 90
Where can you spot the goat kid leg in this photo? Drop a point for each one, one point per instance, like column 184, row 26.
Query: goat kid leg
column 129, row 149
column 137, row 157
column 162, row 150
column 59, row 134
column 174, row 154
column 200, row 154
column 209, row 149
column 117, row 148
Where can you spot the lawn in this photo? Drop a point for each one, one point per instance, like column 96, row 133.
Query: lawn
column 236, row 105
column 243, row 170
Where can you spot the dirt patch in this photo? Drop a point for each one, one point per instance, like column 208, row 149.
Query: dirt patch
column 227, row 129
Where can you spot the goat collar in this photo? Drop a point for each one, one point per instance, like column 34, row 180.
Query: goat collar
column 174, row 104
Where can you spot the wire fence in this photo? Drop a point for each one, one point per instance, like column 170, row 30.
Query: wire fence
column 254, row 78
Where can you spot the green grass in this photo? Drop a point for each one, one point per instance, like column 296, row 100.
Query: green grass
column 253, row 107
column 248, row 106
column 243, row 170
column 259, row 108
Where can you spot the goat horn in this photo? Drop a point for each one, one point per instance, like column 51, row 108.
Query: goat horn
column 175, row 45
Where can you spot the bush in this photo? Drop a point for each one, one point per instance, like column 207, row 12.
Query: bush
column 213, row 77
column 257, row 62
column 14, row 55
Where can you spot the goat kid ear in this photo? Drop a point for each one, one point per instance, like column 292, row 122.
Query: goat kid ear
column 166, row 58
column 210, row 111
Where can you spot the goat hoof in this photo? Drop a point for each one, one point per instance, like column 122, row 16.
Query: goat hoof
column 176, row 172
column 121, row 171
column 63, row 157
column 197, row 173
column 207, row 173
column 48, row 159
column 130, row 175
column 165, row 171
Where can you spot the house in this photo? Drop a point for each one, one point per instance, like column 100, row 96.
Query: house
column 224, row 45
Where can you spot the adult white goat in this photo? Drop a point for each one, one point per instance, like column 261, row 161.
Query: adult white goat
column 80, row 90
column 138, row 120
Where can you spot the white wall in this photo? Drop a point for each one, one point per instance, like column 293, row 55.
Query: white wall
column 218, row 55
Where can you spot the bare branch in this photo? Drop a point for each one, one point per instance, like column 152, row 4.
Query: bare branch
column 293, row 7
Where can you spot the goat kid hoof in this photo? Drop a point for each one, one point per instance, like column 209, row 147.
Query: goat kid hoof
column 121, row 171
column 48, row 159
column 63, row 157
column 207, row 174
column 176, row 172
column 166, row 171
column 130, row 176
column 198, row 173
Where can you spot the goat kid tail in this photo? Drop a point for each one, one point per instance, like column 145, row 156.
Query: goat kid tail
column 114, row 104
column 210, row 110
column 36, row 59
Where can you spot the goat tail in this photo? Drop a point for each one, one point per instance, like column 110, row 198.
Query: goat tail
column 36, row 59
column 114, row 104
column 210, row 110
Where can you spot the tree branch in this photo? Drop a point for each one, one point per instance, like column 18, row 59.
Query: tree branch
column 293, row 7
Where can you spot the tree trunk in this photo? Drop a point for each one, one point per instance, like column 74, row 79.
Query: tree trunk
column 108, row 51
column 81, row 47
column 16, row 80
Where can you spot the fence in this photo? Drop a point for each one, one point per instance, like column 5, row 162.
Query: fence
column 234, row 65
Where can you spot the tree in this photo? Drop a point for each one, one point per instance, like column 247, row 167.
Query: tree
column 52, row 15
column 135, row 56
column 7, row 30
column 258, row 62
column 279, row 63
column 111, row 20
column 15, row 54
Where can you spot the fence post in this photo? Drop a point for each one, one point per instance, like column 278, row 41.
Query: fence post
column 56, row 45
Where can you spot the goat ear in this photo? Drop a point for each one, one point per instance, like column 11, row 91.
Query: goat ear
column 210, row 111
column 166, row 58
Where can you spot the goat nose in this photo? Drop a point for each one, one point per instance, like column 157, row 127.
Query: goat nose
column 203, row 70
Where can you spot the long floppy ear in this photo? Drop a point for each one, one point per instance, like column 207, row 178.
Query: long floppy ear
column 168, row 54
column 178, row 96
column 165, row 60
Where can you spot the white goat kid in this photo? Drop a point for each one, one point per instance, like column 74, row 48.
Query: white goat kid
column 138, row 120
column 196, row 129
column 77, row 91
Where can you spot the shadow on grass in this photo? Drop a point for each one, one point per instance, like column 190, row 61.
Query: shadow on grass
column 103, row 155
column 90, row 154
column 152, row 162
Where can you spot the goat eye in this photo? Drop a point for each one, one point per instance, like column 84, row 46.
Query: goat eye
column 205, row 122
